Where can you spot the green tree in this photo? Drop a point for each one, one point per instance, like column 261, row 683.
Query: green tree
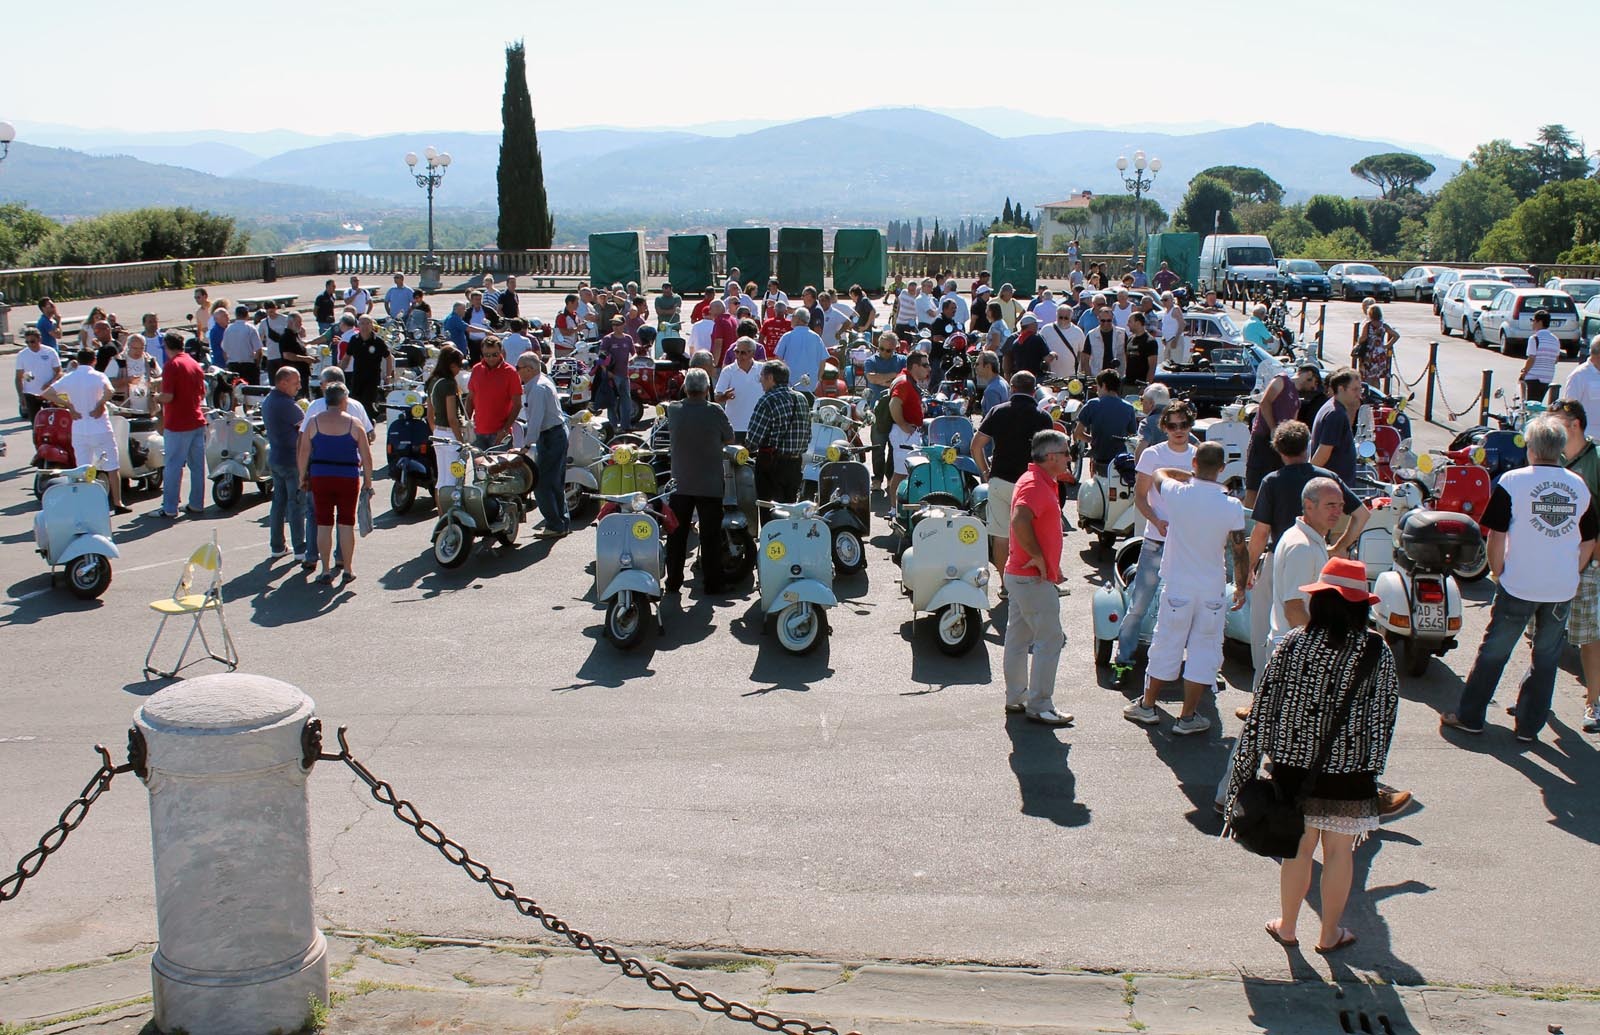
column 1560, row 217
column 1246, row 182
column 21, row 228
column 1394, row 172
column 1006, row 215
column 1290, row 231
column 1512, row 165
column 1383, row 226
column 1556, row 155
column 138, row 236
column 1207, row 203
column 1254, row 217
column 1329, row 212
column 1473, row 201
column 525, row 220
column 1343, row 243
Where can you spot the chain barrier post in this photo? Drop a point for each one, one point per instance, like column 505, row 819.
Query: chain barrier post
column 239, row 948
column 1433, row 367
column 1485, row 393
column 1322, row 324
column 1305, row 303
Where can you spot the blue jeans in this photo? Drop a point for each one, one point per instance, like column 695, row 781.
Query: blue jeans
column 1508, row 616
column 183, row 449
column 289, row 503
column 1146, row 582
column 312, row 554
column 549, row 491
column 621, row 409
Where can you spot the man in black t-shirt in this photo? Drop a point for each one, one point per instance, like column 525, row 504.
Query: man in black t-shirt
column 1027, row 351
column 1010, row 426
column 324, row 307
column 370, row 365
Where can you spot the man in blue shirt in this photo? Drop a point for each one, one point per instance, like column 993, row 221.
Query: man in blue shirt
column 802, row 348
column 1139, row 279
column 49, row 324
column 455, row 326
column 1333, row 438
column 1089, row 319
column 398, row 299
column 986, row 371
column 1256, row 331
column 1106, row 421
column 282, row 416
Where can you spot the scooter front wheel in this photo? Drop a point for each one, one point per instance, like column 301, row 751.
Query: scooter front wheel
column 88, row 576
column 225, row 492
column 959, row 628
column 800, row 628
column 402, row 495
column 849, row 555
column 626, row 618
column 451, row 546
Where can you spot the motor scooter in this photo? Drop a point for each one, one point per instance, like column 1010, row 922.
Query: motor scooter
column 1389, row 430
column 413, row 464
column 52, row 446
column 586, row 455
column 1106, row 502
column 844, row 477
column 740, row 515
column 489, row 498
column 795, row 572
column 1459, row 488
column 945, row 571
column 73, row 529
column 143, row 448
column 236, row 452
column 830, row 422
column 932, row 476
column 629, row 562
column 1232, row 432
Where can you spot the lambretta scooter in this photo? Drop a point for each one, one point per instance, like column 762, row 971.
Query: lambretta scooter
column 1105, row 502
column 945, row 571
column 830, row 422
column 236, row 452
column 629, row 562
column 489, row 498
column 844, row 478
column 795, row 570
column 740, row 515
column 73, row 530
column 413, row 464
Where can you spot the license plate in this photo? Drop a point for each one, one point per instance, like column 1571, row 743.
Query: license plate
column 1429, row 618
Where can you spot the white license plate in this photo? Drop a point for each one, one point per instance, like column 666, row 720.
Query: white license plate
column 1429, row 618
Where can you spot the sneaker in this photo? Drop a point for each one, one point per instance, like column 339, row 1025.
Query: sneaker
column 160, row 513
column 1195, row 723
column 1121, row 670
column 308, row 564
column 276, row 554
column 1138, row 712
column 1591, row 719
column 1050, row 718
column 194, row 510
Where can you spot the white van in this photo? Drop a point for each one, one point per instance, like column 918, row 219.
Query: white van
column 1236, row 257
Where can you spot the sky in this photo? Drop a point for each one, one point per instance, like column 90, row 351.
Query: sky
column 1438, row 76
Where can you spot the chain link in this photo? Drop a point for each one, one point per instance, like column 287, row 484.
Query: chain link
column 384, row 794
column 73, row 815
column 1451, row 410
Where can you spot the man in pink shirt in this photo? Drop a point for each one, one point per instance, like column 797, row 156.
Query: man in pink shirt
column 1033, row 570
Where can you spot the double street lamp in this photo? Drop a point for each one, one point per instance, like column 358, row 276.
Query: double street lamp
column 8, row 133
column 1137, row 184
column 429, row 178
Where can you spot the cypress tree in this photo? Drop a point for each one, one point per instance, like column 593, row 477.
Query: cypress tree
column 525, row 220
column 919, row 240
column 1006, row 215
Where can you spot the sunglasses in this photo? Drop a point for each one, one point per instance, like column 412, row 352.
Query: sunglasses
column 1178, row 424
column 1057, row 452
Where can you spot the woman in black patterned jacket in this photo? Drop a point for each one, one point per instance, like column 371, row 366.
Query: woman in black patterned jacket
column 1302, row 692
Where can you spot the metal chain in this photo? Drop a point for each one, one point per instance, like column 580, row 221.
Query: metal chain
column 384, row 793
column 1451, row 410
column 74, row 814
column 1394, row 360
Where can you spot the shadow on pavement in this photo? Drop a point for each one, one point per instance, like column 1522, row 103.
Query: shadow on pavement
column 1197, row 760
column 486, row 560
column 775, row 668
column 1044, row 776
column 933, row 670
column 39, row 596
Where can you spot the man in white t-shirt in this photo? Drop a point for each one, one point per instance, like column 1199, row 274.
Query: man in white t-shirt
column 133, row 372
column 1065, row 340
column 38, row 367
column 1176, row 452
column 87, row 393
column 739, row 387
column 1044, row 307
column 1583, row 384
column 700, row 335
column 1201, row 520
column 1174, row 344
column 1122, row 309
column 515, row 343
column 358, row 298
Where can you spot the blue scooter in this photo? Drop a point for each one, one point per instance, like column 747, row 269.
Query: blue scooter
column 412, row 461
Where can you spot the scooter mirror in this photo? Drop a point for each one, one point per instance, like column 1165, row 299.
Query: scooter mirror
column 1425, row 463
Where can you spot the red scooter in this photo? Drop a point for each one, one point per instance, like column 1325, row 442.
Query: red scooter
column 1461, row 487
column 52, row 445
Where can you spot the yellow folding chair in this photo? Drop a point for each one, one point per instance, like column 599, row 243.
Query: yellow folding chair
column 204, row 564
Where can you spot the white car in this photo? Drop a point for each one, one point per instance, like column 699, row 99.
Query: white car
column 1581, row 290
column 1417, row 284
column 1463, row 301
column 1198, row 324
column 1514, row 275
column 1442, row 283
column 1508, row 320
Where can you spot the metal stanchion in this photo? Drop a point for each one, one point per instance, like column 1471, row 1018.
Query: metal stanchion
column 1484, row 394
column 1433, row 367
column 1305, row 303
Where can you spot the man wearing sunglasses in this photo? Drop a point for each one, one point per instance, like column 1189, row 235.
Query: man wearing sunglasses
column 905, row 410
column 1175, row 452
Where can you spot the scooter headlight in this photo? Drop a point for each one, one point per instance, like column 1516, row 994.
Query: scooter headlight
column 834, row 454
column 980, row 577
column 417, row 411
column 742, row 457
column 1075, row 386
column 626, row 560
column 638, row 502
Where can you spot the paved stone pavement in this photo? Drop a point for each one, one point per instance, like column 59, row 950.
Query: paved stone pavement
column 387, row 986
column 867, row 802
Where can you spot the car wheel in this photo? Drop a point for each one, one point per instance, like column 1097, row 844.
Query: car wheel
column 1477, row 337
column 1444, row 327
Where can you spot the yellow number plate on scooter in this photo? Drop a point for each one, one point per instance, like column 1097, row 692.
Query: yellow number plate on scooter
column 241, row 427
column 775, row 551
column 641, row 530
column 968, row 534
column 417, row 411
column 458, row 469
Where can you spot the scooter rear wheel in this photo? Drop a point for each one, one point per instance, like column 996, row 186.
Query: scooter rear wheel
column 1475, row 569
column 1416, row 659
column 225, row 492
column 849, row 556
column 959, row 628
column 800, row 628
column 738, row 557
column 452, row 545
column 88, row 576
column 626, row 619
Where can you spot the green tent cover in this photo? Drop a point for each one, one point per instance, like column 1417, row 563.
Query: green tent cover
column 1181, row 253
column 616, row 258
column 1014, row 259
column 799, row 258
column 689, row 258
column 750, row 250
column 860, row 257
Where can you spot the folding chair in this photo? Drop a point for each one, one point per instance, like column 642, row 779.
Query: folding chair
column 206, row 563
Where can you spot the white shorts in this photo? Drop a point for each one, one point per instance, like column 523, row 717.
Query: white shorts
column 95, row 446
column 901, row 443
column 1000, row 492
column 1188, row 638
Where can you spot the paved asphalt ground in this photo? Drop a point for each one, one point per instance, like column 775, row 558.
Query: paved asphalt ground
column 866, row 802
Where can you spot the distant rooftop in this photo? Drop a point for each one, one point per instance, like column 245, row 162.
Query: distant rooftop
column 1079, row 200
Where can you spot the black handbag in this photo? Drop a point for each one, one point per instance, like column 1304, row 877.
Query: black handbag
column 1264, row 819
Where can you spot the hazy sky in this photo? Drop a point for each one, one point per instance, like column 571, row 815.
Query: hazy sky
column 1441, row 75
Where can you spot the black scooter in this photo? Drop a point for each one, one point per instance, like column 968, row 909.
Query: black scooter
column 844, row 477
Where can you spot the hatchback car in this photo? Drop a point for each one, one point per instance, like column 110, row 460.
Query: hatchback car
column 1217, row 326
column 1508, row 321
column 1515, row 275
column 1354, row 281
column 1442, row 283
column 1581, row 290
column 1303, row 278
column 1463, row 301
column 1417, row 283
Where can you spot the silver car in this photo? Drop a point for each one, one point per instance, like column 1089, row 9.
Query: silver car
column 1417, row 283
column 1580, row 289
column 1463, row 301
column 1508, row 321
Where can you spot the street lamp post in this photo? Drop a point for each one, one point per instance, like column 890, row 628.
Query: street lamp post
column 429, row 179
column 8, row 133
column 1137, row 184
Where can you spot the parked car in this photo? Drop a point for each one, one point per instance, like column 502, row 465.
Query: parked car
column 1218, row 374
column 1514, row 275
column 1417, row 283
column 1508, row 320
column 1303, row 278
column 1581, row 290
column 1444, row 280
column 1354, row 281
column 1217, row 326
column 1589, row 318
column 1240, row 258
column 1463, row 301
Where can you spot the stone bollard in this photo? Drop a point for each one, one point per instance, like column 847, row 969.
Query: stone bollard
column 239, row 950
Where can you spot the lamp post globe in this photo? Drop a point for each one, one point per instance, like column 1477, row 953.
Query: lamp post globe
column 429, row 179
column 8, row 133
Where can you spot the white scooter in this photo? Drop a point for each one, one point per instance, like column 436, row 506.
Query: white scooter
column 945, row 571
column 1105, row 502
column 629, row 562
column 586, row 455
column 795, row 570
column 1232, row 432
column 73, row 529
column 236, row 452
column 142, row 449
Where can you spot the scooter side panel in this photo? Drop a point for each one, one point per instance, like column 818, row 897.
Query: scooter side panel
column 87, row 544
column 642, row 582
column 637, row 535
column 793, row 550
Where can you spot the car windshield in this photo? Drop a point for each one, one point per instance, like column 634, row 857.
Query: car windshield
column 1249, row 255
column 1581, row 290
column 1304, row 266
column 1361, row 270
column 1484, row 291
column 1230, row 358
column 1549, row 303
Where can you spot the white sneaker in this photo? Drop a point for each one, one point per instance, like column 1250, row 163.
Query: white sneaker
column 275, row 554
column 1195, row 723
column 1591, row 719
column 1138, row 712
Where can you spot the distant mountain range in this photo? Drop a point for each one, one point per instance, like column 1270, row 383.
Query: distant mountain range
column 868, row 165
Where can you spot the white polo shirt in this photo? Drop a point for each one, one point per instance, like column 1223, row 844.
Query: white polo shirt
column 1200, row 517
column 1297, row 561
column 746, row 387
column 37, row 368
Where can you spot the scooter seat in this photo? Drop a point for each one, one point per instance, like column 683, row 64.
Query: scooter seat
column 53, row 455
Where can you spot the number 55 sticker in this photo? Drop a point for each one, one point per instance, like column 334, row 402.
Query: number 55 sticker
column 968, row 534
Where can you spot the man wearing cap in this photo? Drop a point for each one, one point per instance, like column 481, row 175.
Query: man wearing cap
column 803, row 350
column 1542, row 530
column 38, row 367
column 1201, row 519
column 542, row 426
column 613, row 354
column 241, row 347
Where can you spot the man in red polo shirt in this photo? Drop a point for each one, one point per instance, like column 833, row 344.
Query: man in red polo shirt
column 1033, row 570
column 494, row 394
column 775, row 326
column 724, row 332
column 183, row 426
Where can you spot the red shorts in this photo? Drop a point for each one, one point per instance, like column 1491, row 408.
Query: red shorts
column 330, row 493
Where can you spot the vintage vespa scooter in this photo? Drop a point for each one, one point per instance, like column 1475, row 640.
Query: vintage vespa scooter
column 413, row 464
column 236, row 452
column 845, row 478
column 73, row 529
column 489, row 499
column 795, row 570
column 945, row 571
column 740, row 515
column 629, row 563
column 1105, row 502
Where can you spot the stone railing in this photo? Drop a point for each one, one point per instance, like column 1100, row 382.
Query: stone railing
column 26, row 286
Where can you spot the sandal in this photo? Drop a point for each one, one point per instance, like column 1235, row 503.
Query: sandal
column 1287, row 943
column 1346, row 939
